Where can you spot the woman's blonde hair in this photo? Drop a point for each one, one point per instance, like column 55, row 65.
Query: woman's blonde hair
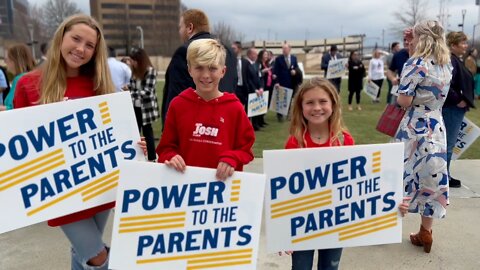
column 206, row 52
column 431, row 42
column 54, row 75
column 21, row 57
column 298, row 125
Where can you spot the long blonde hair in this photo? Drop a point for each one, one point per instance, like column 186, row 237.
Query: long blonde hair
column 54, row 75
column 431, row 42
column 21, row 57
column 298, row 125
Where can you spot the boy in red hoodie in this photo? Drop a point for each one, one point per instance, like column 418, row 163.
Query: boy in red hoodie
column 205, row 127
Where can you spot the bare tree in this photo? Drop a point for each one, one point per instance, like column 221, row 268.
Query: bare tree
column 39, row 27
column 54, row 12
column 410, row 13
column 226, row 34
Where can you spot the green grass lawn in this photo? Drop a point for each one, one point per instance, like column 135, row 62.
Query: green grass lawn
column 360, row 123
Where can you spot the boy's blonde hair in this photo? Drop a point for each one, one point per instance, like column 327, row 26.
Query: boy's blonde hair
column 298, row 125
column 206, row 52
column 54, row 74
column 431, row 42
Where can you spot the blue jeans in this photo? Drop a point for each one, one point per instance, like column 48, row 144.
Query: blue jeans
column 86, row 239
column 453, row 117
column 328, row 259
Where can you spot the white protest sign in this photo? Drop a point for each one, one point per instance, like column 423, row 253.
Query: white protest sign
column 467, row 135
column 61, row 158
column 257, row 105
column 333, row 197
column 281, row 99
column 170, row 220
column 371, row 89
column 337, row 68
column 394, row 90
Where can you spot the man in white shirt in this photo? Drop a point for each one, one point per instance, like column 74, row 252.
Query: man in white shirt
column 119, row 71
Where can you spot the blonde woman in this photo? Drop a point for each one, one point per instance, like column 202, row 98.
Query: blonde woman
column 76, row 67
column 376, row 71
column 424, row 84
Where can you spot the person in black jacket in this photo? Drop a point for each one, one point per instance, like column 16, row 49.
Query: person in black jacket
column 356, row 72
column 193, row 25
column 460, row 96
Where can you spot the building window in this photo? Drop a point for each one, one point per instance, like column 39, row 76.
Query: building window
column 139, row 7
column 113, row 16
column 113, row 6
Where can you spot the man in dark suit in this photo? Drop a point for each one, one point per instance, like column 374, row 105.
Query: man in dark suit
column 193, row 25
column 325, row 59
column 286, row 71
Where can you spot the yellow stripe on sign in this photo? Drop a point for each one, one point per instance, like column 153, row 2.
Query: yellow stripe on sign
column 31, row 162
column 375, row 165
column 223, row 258
column 152, row 222
column 194, row 256
column 34, row 174
column 236, row 181
column 305, row 238
column 103, row 104
column 37, row 165
column 367, row 226
column 234, row 193
column 378, row 153
column 301, row 198
column 154, row 228
column 98, row 185
column 377, row 159
column 105, row 115
column 301, row 204
column 173, row 214
column 104, row 110
column 235, row 187
column 107, row 121
column 376, row 170
column 217, row 265
column 76, row 191
column 369, row 231
column 101, row 191
column 301, row 209
column 234, row 199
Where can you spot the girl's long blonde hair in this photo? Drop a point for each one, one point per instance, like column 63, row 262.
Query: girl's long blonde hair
column 431, row 42
column 298, row 125
column 21, row 57
column 54, row 75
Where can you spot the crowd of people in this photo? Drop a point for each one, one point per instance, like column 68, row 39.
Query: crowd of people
column 207, row 83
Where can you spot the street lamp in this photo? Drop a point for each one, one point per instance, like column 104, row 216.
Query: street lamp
column 464, row 11
column 139, row 28
column 32, row 42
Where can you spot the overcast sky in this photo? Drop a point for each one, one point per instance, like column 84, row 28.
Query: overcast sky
column 317, row 19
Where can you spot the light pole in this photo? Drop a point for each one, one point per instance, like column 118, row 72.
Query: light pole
column 30, row 29
column 464, row 11
column 139, row 28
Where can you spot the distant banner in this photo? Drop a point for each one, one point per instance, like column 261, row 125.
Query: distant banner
column 281, row 99
column 170, row 220
column 332, row 197
column 371, row 89
column 257, row 105
column 62, row 158
column 337, row 68
column 467, row 135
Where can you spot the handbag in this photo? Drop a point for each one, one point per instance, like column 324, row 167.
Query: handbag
column 390, row 119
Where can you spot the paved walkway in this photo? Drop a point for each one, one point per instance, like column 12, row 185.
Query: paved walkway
column 456, row 239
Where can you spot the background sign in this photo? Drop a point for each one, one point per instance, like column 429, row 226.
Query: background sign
column 371, row 89
column 257, row 105
column 467, row 135
column 61, row 158
column 170, row 220
column 337, row 68
column 332, row 197
column 281, row 99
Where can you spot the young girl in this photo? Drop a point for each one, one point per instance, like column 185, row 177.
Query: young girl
column 144, row 97
column 76, row 67
column 19, row 60
column 317, row 122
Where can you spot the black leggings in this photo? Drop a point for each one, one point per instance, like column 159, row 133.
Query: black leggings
column 379, row 83
column 357, row 93
column 147, row 132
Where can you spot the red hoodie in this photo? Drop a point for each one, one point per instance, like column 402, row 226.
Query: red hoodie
column 207, row 132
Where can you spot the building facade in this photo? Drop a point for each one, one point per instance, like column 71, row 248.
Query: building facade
column 13, row 22
column 128, row 23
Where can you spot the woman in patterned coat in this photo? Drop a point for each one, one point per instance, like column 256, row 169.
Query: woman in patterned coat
column 144, row 97
column 424, row 85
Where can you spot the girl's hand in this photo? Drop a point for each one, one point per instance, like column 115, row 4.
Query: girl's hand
column 403, row 207
column 143, row 145
column 177, row 163
column 288, row 252
column 224, row 170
